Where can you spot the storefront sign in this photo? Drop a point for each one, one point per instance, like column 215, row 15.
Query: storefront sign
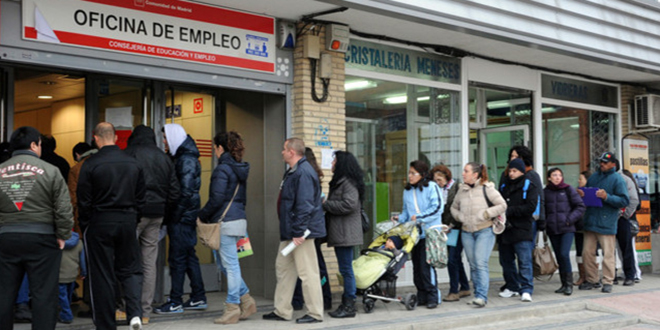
column 566, row 89
column 169, row 29
column 636, row 160
column 370, row 56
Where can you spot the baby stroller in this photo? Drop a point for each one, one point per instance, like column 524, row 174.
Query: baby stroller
column 375, row 270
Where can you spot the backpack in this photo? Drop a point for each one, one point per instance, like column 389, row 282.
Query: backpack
column 537, row 212
column 436, row 247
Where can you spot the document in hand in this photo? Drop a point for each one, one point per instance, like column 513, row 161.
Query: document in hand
column 590, row 199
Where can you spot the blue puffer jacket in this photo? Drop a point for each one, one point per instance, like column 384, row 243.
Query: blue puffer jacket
column 188, row 171
column 563, row 208
column 300, row 206
column 225, row 177
column 429, row 201
column 603, row 220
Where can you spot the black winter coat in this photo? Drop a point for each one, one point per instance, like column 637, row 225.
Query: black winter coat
column 563, row 207
column 519, row 210
column 300, row 206
column 536, row 179
column 188, row 171
column 224, row 180
column 158, row 169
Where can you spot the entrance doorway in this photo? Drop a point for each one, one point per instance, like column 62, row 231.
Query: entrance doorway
column 495, row 144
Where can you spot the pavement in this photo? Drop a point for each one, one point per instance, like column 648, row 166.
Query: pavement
column 629, row 308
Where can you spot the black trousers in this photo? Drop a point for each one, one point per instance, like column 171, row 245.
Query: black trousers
column 39, row 255
column 113, row 252
column 424, row 275
column 624, row 238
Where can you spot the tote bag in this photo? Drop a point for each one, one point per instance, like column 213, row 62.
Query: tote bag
column 543, row 259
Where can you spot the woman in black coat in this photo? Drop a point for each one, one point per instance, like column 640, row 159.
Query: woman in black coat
column 343, row 221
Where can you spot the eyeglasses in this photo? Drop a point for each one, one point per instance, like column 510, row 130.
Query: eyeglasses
column 413, row 173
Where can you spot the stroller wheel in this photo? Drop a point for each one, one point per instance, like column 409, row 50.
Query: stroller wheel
column 410, row 301
column 369, row 305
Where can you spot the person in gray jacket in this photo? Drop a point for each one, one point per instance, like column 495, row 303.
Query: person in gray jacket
column 36, row 219
column 343, row 218
column 623, row 233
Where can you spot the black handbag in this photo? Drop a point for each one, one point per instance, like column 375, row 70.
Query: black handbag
column 366, row 223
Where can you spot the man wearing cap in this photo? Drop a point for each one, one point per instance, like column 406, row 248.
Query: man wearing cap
column 600, row 223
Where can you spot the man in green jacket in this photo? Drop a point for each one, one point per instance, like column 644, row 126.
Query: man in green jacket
column 35, row 220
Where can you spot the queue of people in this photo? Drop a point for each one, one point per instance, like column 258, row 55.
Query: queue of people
column 120, row 199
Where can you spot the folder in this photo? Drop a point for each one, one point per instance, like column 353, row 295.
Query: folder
column 590, row 199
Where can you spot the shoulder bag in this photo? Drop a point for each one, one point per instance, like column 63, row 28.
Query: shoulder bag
column 499, row 222
column 209, row 233
column 544, row 262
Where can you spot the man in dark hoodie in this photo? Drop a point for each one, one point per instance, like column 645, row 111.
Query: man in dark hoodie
column 162, row 190
column 48, row 146
column 181, row 223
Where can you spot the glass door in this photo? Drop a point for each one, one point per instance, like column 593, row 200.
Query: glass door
column 361, row 142
column 495, row 144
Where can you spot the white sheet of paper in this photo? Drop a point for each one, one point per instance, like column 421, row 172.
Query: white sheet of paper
column 120, row 117
column 327, row 155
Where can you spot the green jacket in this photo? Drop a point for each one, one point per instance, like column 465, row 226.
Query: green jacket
column 34, row 197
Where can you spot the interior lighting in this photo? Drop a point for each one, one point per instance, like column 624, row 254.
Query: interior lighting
column 359, row 84
column 44, row 97
column 404, row 98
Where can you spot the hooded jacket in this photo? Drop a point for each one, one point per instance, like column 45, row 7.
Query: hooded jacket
column 226, row 176
column 300, row 206
column 563, row 208
column 429, row 201
column 159, row 176
column 520, row 208
column 471, row 209
column 603, row 220
column 188, row 171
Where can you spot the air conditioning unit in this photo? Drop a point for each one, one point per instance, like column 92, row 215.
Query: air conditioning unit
column 647, row 111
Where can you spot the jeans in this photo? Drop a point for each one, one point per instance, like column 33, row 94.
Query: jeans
column 455, row 268
column 227, row 260
column 23, row 296
column 521, row 278
column 478, row 246
column 561, row 244
column 183, row 261
column 345, row 260
column 66, row 291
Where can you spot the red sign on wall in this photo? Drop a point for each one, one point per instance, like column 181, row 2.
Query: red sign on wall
column 198, row 105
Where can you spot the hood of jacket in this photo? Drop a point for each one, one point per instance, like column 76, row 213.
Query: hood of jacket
column 175, row 135
column 142, row 135
column 242, row 170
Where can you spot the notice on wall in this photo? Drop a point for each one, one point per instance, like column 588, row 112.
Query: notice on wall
column 120, row 117
column 636, row 160
column 172, row 29
column 327, row 156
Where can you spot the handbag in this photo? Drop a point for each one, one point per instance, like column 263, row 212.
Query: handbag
column 209, row 233
column 499, row 222
column 366, row 223
column 544, row 262
column 436, row 246
column 634, row 226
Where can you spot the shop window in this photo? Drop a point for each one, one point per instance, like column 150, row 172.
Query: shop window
column 390, row 124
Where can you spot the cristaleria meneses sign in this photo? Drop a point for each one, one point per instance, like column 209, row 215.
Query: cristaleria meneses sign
column 169, row 29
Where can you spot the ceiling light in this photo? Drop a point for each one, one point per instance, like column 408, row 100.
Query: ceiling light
column 359, row 84
column 396, row 99
column 44, row 97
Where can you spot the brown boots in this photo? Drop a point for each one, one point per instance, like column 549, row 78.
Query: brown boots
column 582, row 274
column 230, row 316
column 248, row 306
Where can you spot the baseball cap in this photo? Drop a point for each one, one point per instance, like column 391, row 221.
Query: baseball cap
column 607, row 157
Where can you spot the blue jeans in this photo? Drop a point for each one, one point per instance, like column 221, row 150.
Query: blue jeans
column 227, row 260
column 66, row 291
column 561, row 244
column 478, row 246
column 183, row 261
column 345, row 260
column 518, row 278
column 455, row 268
column 23, row 296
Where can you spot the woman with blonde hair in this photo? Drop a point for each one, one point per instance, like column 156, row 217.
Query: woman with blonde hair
column 476, row 203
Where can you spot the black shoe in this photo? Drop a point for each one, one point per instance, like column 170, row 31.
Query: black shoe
column 586, row 286
column 597, row 285
column 562, row 289
column 616, row 281
column 297, row 307
column 628, row 282
column 607, row 288
column 273, row 317
column 431, row 305
column 307, row 319
column 23, row 314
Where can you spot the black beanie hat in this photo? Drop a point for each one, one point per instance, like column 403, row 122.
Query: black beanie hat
column 398, row 242
column 518, row 164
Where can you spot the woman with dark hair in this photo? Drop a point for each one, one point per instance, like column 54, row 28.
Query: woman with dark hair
column 344, row 223
column 422, row 203
column 472, row 207
column 227, row 199
column 564, row 208
column 579, row 233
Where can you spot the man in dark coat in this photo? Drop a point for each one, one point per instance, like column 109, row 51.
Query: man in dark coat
column 181, row 223
column 521, row 196
column 110, row 199
column 162, row 190
column 300, row 209
column 49, row 144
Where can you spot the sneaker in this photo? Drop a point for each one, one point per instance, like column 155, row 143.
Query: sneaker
column 478, row 302
column 586, row 286
column 508, row 293
column 169, row 308
column 637, row 279
column 195, row 305
column 136, row 323
column 526, row 297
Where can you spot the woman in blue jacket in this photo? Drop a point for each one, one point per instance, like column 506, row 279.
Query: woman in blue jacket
column 563, row 208
column 422, row 203
column 227, row 199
